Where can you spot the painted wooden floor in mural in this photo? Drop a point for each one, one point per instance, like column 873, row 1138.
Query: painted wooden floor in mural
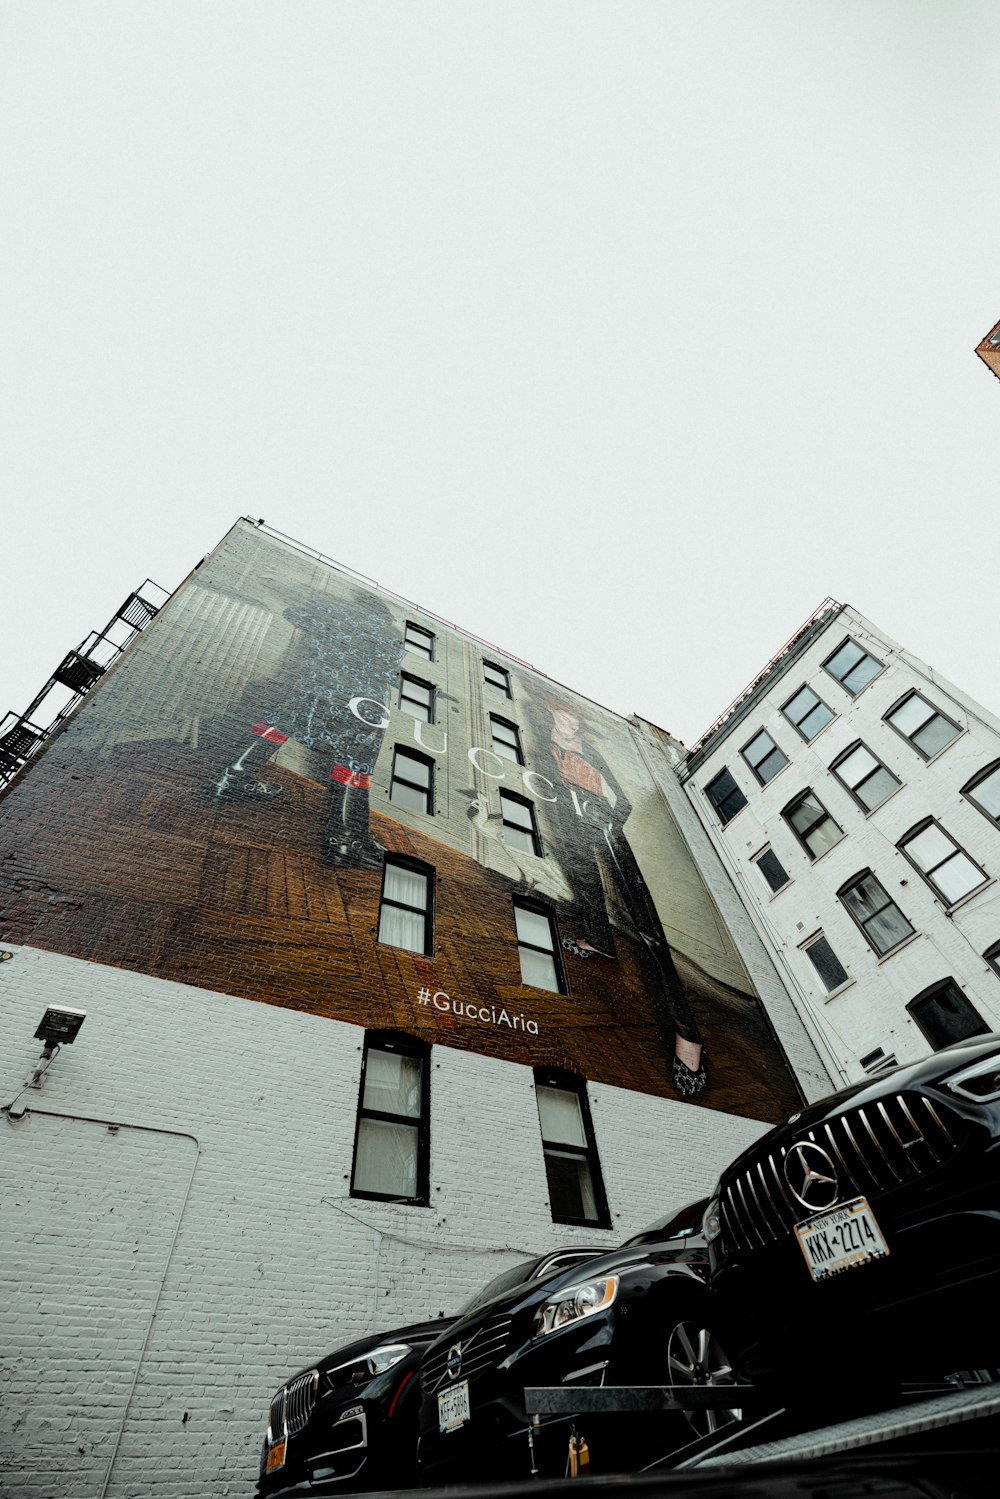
column 117, row 862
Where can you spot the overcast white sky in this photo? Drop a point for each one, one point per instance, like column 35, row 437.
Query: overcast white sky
column 618, row 333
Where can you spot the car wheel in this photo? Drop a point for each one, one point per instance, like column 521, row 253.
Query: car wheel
column 697, row 1357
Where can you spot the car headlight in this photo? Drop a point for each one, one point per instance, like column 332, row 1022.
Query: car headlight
column 583, row 1300
column 711, row 1224
column 360, row 1370
column 980, row 1082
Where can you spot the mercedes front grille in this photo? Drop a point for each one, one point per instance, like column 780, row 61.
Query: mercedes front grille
column 874, row 1149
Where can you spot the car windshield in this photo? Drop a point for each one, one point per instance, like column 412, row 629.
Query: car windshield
column 674, row 1226
column 505, row 1281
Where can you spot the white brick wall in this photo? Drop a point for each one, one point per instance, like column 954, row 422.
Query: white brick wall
column 205, row 1245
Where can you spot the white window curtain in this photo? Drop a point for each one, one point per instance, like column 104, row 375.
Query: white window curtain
column 392, row 1084
column 386, row 1160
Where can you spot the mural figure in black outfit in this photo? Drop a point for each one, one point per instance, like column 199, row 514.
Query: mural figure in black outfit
column 588, row 820
column 345, row 650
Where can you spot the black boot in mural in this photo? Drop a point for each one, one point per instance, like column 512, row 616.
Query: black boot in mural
column 349, row 842
column 238, row 782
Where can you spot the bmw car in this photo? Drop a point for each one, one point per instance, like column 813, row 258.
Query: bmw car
column 348, row 1422
column 860, row 1240
column 640, row 1314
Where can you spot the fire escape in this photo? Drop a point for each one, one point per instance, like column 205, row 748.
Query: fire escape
column 23, row 734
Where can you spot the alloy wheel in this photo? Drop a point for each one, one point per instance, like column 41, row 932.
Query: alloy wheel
column 696, row 1357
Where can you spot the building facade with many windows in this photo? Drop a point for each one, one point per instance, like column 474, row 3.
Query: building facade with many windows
column 854, row 796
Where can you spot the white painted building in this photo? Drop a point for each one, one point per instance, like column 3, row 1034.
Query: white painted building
column 854, row 797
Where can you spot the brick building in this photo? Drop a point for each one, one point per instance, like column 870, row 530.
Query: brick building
column 400, row 962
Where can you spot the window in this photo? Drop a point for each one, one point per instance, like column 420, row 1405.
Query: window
column 772, row 869
column 853, row 667
column 812, row 825
column 576, row 1191
column 944, row 1014
column 866, row 778
column 807, row 712
column 992, row 956
column 725, row 796
column 405, row 916
column 984, row 791
column 419, row 640
column 519, row 830
column 947, row 868
column 826, row 963
column 506, row 739
column 918, row 721
column 538, row 948
column 881, row 920
column 764, row 757
column 416, row 698
column 497, row 676
column 392, row 1140
column 412, row 782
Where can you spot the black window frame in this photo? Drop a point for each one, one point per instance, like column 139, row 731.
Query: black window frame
column 852, row 790
column 720, row 802
column 399, row 1044
column 756, row 764
column 807, row 948
column 969, row 790
column 407, row 678
column 421, row 641
column 400, row 751
column 399, row 861
column 512, row 798
column 758, row 860
column 932, row 714
column 513, row 743
column 501, row 671
column 797, row 723
column 992, row 956
column 797, row 802
column 862, row 925
column 554, row 952
column 558, row 1080
column 927, row 875
column 917, row 1011
column 866, row 655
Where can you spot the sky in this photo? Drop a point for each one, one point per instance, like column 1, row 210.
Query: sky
column 620, row 334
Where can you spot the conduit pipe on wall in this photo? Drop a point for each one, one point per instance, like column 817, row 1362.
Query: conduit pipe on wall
column 814, row 1024
column 147, row 1129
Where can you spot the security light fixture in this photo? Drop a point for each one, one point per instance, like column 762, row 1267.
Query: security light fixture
column 59, row 1026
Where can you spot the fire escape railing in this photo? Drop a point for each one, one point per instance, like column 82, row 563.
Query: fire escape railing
column 23, row 734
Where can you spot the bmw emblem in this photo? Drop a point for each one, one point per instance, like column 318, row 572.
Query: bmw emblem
column 453, row 1367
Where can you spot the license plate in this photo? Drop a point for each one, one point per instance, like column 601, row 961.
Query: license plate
column 276, row 1456
column 842, row 1239
column 453, row 1406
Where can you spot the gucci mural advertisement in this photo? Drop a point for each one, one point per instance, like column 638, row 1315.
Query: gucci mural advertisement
column 299, row 790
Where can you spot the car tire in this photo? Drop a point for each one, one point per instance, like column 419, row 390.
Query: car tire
column 696, row 1353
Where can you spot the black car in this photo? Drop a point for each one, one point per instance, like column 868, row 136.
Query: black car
column 637, row 1315
column 348, row 1422
column 859, row 1242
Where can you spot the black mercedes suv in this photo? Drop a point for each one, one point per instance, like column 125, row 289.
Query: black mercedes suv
column 859, row 1241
